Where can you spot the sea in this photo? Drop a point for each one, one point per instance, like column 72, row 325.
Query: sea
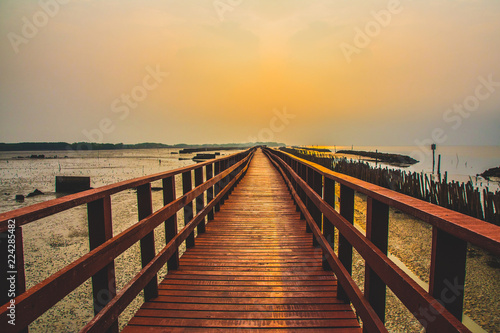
column 461, row 163
column 20, row 174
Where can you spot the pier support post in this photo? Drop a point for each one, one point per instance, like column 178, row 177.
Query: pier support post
column 328, row 228
column 377, row 231
column 447, row 276
column 145, row 208
column 169, row 195
column 210, row 191
column 100, row 230
column 345, row 248
column 302, row 174
column 200, row 200
column 217, row 187
column 187, row 186
column 315, row 181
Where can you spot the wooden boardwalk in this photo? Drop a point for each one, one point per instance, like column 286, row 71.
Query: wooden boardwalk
column 254, row 268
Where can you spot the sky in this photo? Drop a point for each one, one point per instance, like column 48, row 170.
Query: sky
column 302, row 72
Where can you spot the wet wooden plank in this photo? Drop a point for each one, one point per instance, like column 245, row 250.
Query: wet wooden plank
column 253, row 268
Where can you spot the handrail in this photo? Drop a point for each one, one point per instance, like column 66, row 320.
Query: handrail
column 111, row 311
column 467, row 228
column 302, row 179
column 40, row 210
column 370, row 319
column 38, row 299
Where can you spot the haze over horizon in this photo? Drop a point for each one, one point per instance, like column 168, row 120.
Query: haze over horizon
column 217, row 71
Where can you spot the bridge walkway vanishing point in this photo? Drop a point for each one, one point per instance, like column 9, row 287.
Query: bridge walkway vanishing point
column 254, row 267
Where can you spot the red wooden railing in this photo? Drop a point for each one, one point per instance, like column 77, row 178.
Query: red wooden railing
column 313, row 189
column 221, row 175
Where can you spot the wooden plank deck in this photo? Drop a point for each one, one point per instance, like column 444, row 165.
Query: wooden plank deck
column 254, row 268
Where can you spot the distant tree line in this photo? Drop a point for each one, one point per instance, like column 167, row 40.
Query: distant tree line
column 37, row 146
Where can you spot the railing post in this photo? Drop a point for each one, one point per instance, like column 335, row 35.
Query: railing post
column 217, row 186
column 345, row 248
column 317, row 186
column 311, row 207
column 224, row 181
column 188, row 209
column 296, row 186
column 210, row 191
column 377, row 231
column 169, row 195
column 447, row 276
column 328, row 228
column 200, row 200
column 100, row 230
column 303, row 196
column 145, row 208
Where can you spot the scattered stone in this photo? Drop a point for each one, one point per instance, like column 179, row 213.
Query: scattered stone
column 19, row 197
column 34, row 193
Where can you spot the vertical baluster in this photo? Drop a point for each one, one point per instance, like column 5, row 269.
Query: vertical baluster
column 210, row 190
column 148, row 252
column 217, row 186
column 345, row 249
column 188, row 209
column 224, row 181
column 303, row 175
column 317, row 186
column 328, row 228
column 100, row 230
column 377, row 231
column 309, row 204
column 296, row 186
column 447, row 276
column 200, row 200
column 169, row 195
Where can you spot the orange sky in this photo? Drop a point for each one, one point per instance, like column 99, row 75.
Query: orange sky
column 232, row 67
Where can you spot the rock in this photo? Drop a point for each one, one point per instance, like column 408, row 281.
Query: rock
column 72, row 184
column 19, row 197
column 493, row 172
column 34, row 193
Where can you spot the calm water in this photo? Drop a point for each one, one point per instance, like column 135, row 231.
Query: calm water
column 461, row 162
column 22, row 176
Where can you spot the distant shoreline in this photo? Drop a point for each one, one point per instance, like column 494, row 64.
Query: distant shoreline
column 64, row 146
column 381, row 157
